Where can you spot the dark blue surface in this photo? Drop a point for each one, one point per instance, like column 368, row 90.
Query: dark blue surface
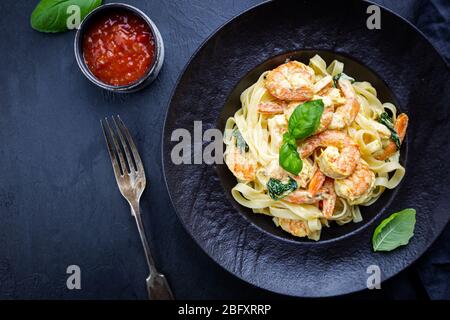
column 59, row 204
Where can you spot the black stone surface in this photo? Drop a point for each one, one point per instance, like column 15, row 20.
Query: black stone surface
column 59, row 204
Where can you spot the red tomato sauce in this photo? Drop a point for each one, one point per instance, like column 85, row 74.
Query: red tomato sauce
column 119, row 48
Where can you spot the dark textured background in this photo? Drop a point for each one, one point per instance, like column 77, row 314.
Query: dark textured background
column 59, row 204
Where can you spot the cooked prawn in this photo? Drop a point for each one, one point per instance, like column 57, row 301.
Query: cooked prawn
column 325, row 194
column 345, row 114
column 242, row 163
column 401, row 124
column 357, row 186
column 297, row 228
column 340, row 157
column 329, row 202
column 272, row 107
column 331, row 97
column 291, row 81
column 304, row 197
column 273, row 170
column 316, row 182
column 325, row 119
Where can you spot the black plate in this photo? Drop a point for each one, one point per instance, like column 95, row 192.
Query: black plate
column 403, row 67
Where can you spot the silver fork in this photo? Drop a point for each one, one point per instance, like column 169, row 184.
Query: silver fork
column 130, row 177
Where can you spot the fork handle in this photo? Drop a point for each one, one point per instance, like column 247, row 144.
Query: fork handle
column 157, row 286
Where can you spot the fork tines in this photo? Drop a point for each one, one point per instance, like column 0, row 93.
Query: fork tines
column 122, row 165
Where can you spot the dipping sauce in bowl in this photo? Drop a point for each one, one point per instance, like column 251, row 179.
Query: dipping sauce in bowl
column 119, row 48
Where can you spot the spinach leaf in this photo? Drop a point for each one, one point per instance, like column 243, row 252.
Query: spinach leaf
column 387, row 121
column 278, row 189
column 305, row 119
column 240, row 142
column 394, row 231
column 51, row 15
column 343, row 76
column 289, row 159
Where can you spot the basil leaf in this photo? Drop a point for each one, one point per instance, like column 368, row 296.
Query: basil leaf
column 343, row 76
column 240, row 142
column 305, row 119
column 278, row 189
column 287, row 138
column 394, row 231
column 289, row 159
column 51, row 15
column 387, row 121
column 303, row 122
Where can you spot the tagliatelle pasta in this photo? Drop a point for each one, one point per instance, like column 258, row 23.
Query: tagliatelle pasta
column 347, row 162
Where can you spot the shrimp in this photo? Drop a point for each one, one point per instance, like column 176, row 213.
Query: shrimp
column 316, row 182
column 297, row 228
column 272, row 107
column 325, row 119
column 273, row 170
column 345, row 114
column 240, row 162
column 330, row 98
column 340, row 157
column 291, row 81
column 326, row 194
column 400, row 126
column 304, row 197
column 358, row 186
column 329, row 202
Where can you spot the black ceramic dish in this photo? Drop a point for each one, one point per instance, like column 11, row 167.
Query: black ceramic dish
column 403, row 67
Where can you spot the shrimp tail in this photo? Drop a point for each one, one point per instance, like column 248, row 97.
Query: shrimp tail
column 400, row 126
column 316, row 182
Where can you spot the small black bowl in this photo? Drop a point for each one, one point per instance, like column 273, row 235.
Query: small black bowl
column 153, row 70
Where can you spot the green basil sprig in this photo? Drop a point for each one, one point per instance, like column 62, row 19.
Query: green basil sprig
column 387, row 121
column 303, row 122
column 394, row 231
column 278, row 189
column 52, row 15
